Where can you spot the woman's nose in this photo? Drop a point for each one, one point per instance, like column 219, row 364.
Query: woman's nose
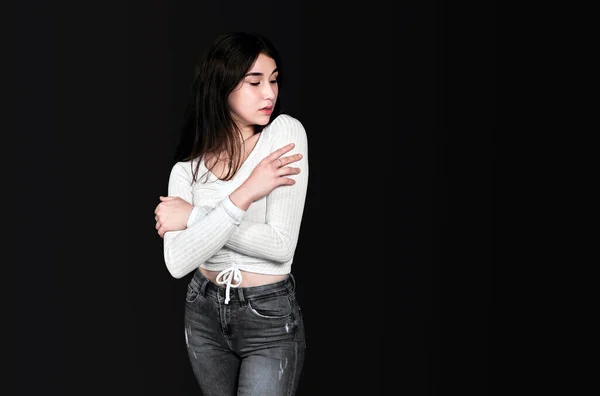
column 269, row 92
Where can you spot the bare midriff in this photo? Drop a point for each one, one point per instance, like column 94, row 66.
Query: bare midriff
column 249, row 279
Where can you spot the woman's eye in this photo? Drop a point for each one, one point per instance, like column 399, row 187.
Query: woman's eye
column 255, row 84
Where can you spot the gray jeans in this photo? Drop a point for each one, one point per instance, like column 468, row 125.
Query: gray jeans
column 252, row 346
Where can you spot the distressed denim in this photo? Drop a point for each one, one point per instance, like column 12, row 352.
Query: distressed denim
column 252, row 346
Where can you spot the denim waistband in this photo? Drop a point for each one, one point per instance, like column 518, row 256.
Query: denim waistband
column 240, row 294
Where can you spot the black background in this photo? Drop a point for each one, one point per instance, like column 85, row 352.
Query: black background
column 394, row 262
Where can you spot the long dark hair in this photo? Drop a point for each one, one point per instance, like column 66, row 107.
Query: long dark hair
column 208, row 125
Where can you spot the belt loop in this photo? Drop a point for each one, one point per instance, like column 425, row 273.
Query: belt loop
column 203, row 287
column 293, row 281
column 241, row 295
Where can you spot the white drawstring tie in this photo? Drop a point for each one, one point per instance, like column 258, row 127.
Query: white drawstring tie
column 226, row 276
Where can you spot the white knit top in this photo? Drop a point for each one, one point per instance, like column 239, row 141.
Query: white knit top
column 222, row 237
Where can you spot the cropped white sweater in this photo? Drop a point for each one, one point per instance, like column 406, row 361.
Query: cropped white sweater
column 222, row 237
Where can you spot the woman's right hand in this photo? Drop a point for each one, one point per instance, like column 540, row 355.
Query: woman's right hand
column 270, row 173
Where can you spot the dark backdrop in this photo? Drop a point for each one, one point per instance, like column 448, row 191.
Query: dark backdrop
column 394, row 258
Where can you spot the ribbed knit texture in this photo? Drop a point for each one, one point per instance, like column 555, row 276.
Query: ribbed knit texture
column 219, row 235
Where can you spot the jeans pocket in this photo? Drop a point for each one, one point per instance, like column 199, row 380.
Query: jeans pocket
column 278, row 307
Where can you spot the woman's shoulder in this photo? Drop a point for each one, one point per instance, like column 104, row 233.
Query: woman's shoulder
column 284, row 119
column 283, row 130
column 285, row 126
column 184, row 168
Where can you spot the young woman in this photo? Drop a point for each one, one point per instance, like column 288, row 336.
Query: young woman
column 235, row 201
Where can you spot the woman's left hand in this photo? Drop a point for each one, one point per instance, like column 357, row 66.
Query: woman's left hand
column 172, row 214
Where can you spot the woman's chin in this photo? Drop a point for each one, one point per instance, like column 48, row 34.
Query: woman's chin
column 263, row 121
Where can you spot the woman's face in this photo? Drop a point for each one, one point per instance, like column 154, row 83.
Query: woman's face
column 253, row 100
